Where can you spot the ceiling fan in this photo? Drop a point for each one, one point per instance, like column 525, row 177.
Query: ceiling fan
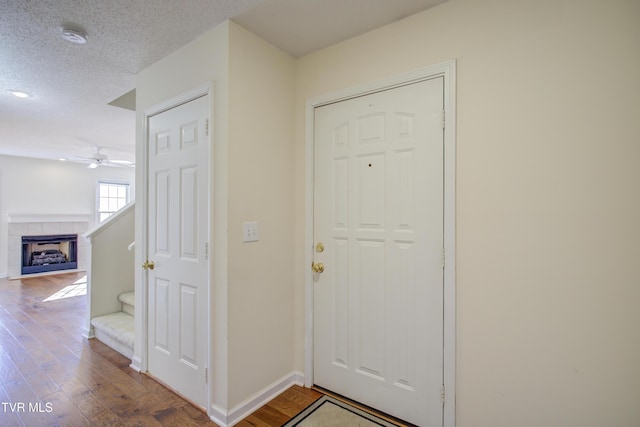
column 101, row 159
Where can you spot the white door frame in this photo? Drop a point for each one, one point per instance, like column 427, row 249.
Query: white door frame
column 140, row 361
column 447, row 70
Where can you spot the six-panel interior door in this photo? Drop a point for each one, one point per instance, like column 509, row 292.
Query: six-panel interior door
column 178, row 229
column 378, row 210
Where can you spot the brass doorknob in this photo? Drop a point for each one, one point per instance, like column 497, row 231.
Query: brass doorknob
column 317, row 268
column 148, row 265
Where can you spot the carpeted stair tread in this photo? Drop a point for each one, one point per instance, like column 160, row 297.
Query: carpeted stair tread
column 128, row 301
column 117, row 331
column 128, row 298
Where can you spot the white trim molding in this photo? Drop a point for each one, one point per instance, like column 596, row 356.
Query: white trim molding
column 110, row 220
column 136, row 364
column 22, row 218
column 139, row 361
column 447, row 70
column 229, row 418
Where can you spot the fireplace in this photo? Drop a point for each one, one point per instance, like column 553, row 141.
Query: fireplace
column 49, row 253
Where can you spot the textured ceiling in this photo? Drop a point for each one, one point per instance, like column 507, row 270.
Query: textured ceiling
column 72, row 85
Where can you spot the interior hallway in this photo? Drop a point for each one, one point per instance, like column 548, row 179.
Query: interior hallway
column 51, row 376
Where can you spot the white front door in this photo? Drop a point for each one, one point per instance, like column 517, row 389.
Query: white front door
column 378, row 211
column 178, row 291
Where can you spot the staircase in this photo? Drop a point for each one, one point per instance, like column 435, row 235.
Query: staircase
column 110, row 282
column 117, row 329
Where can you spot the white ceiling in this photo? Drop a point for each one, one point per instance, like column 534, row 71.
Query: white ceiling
column 72, row 85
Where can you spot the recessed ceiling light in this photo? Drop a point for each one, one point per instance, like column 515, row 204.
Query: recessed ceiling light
column 62, row 159
column 74, row 35
column 19, row 94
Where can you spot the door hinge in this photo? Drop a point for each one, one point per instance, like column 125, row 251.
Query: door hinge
column 206, row 250
column 443, row 119
column 206, row 127
column 443, row 257
column 442, row 394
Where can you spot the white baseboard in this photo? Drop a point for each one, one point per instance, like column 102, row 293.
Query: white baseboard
column 90, row 334
column 46, row 273
column 218, row 415
column 136, row 363
column 229, row 418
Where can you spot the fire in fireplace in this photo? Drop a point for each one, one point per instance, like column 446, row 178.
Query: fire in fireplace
column 49, row 253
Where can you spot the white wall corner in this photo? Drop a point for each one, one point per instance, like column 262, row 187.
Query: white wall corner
column 90, row 334
column 298, row 378
column 219, row 415
column 136, row 363
column 229, row 418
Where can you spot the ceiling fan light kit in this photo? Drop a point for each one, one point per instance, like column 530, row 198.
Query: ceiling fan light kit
column 122, row 162
column 101, row 159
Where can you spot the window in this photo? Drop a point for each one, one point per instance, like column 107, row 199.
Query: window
column 112, row 196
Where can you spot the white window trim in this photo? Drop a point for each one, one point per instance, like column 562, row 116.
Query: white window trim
column 114, row 182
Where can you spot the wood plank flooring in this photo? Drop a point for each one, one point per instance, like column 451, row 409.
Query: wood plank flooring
column 51, row 376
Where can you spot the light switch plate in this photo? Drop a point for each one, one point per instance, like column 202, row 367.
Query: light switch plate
column 250, row 231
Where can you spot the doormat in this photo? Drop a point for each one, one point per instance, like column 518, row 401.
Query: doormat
column 330, row 412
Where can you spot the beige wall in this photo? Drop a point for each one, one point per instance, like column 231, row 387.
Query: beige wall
column 548, row 206
column 547, row 199
column 112, row 264
column 261, row 145
column 204, row 60
column 252, row 283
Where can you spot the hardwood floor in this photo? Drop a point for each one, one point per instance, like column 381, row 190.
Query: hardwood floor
column 51, row 376
column 282, row 408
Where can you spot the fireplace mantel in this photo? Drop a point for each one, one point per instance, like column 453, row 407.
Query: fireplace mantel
column 30, row 224
column 25, row 218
